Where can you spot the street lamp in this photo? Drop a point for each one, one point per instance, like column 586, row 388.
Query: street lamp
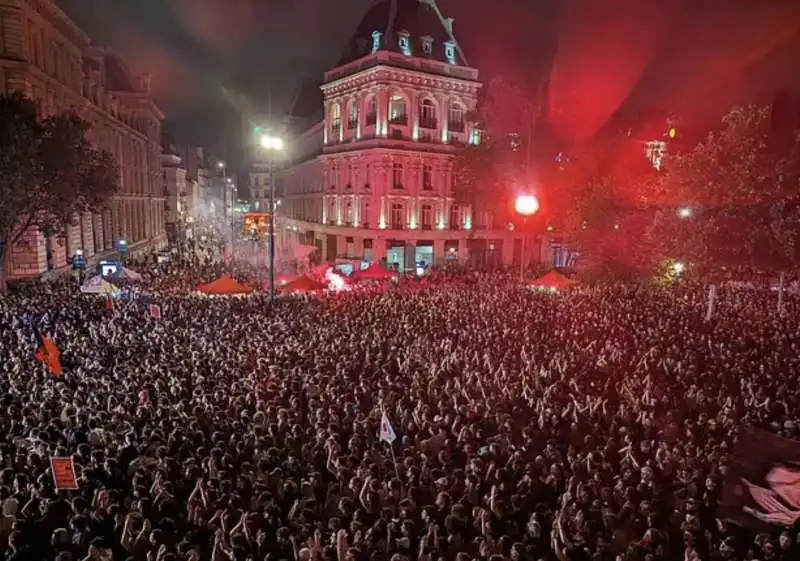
column 526, row 206
column 685, row 212
column 271, row 144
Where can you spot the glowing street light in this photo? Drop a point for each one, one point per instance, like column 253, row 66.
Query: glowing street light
column 526, row 206
column 685, row 212
column 221, row 164
column 271, row 142
column 678, row 267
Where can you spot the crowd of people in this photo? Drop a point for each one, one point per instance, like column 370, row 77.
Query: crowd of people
column 593, row 424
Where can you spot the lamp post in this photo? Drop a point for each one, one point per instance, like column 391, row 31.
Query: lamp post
column 526, row 206
column 271, row 144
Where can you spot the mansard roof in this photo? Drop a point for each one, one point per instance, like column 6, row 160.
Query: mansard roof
column 420, row 19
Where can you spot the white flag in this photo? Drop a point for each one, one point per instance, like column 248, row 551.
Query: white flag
column 387, row 432
column 712, row 298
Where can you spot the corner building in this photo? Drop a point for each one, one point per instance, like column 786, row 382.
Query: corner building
column 46, row 56
column 373, row 179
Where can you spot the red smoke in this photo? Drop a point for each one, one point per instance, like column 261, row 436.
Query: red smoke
column 603, row 50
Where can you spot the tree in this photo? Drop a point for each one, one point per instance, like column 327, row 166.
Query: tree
column 741, row 191
column 49, row 173
column 489, row 173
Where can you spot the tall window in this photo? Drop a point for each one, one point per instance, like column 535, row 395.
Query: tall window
column 396, row 216
column 427, row 114
column 427, row 178
column 332, row 211
column 398, row 114
column 372, row 111
column 365, row 214
column 397, row 176
column 348, row 213
column 455, row 117
column 455, row 218
column 427, row 217
column 336, row 119
column 352, row 115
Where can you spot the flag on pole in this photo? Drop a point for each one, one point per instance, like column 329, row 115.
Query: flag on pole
column 712, row 298
column 47, row 352
column 761, row 491
column 155, row 311
column 109, row 303
column 387, row 432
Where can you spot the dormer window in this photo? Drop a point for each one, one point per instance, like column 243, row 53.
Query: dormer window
column 377, row 37
column 450, row 52
column 404, row 42
column 427, row 45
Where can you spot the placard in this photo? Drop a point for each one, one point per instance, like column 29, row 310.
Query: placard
column 64, row 473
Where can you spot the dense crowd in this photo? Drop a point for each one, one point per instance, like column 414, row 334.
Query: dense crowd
column 594, row 424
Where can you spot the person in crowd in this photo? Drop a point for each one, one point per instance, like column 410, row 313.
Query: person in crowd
column 589, row 425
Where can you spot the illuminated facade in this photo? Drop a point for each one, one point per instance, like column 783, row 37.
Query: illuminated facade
column 374, row 178
column 46, row 56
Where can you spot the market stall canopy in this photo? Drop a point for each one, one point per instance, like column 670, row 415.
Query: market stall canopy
column 225, row 285
column 280, row 280
column 302, row 284
column 98, row 285
column 553, row 281
column 375, row 272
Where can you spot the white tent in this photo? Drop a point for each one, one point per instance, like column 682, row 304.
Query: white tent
column 98, row 285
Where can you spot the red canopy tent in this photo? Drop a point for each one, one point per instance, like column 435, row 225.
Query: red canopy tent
column 225, row 285
column 553, row 281
column 280, row 280
column 374, row 272
column 302, row 284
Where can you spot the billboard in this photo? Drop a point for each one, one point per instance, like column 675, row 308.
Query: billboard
column 256, row 223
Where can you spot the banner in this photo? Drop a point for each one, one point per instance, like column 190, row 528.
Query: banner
column 762, row 486
column 64, row 473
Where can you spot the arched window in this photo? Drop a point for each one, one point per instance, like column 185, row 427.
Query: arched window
column 427, row 114
column 398, row 112
column 455, row 117
column 352, row 114
column 372, row 111
column 455, row 218
column 336, row 119
column 348, row 213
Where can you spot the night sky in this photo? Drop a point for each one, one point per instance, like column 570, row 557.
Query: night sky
column 214, row 62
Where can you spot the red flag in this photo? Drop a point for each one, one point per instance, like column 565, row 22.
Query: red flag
column 49, row 354
column 109, row 303
column 155, row 311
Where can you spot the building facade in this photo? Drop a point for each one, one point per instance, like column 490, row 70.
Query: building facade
column 46, row 56
column 374, row 179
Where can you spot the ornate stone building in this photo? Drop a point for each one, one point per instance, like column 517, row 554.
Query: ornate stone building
column 45, row 55
column 374, row 178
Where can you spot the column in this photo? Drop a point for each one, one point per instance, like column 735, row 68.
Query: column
column 438, row 251
column 411, row 254
column 413, row 113
column 378, row 249
column 382, row 124
column 382, row 217
column 508, row 250
column 444, row 106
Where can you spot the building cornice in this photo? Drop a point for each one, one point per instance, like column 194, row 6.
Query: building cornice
column 401, row 61
column 386, row 75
